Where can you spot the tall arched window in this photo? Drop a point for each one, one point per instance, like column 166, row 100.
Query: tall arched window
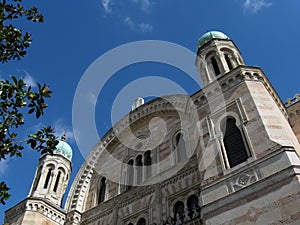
column 228, row 61
column 193, row 206
column 215, row 66
column 234, row 143
column 48, row 178
column 102, row 190
column 57, row 181
column 37, row 181
column 147, row 163
column 139, row 168
column 141, row 221
column 180, row 147
column 179, row 211
column 130, row 172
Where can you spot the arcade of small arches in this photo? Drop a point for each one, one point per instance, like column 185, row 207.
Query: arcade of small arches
column 183, row 211
column 51, row 177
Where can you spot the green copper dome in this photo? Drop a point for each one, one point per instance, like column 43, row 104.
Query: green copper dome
column 211, row 35
column 63, row 148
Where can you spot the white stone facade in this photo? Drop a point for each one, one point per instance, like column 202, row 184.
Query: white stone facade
column 228, row 154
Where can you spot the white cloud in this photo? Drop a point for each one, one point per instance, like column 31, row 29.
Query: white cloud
column 143, row 27
column 3, row 166
column 128, row 21
column 255, row 5
column 107, row 5
column 29, row 80
column 117, row 9
column 144, row 4
column 60, row 128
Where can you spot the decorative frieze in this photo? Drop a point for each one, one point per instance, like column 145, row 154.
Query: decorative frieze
column 243, row 180
column 54, row 214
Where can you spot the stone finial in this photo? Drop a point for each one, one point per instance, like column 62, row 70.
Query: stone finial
column 64, row 137
column 137, row 103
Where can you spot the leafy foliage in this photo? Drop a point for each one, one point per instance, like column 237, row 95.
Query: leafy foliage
column 16, row 98
column 4, row 195
column 14, row 42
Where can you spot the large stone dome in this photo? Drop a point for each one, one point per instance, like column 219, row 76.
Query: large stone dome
column 63, row 148
column 211, row 35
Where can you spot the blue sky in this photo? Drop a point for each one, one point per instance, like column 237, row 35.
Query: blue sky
column 75, row 33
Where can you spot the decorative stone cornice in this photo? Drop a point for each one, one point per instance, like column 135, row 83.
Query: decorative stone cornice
column 41, row 206
column 233, row 78
column 189, row 169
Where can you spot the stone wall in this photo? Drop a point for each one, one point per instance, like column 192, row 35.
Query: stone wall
column 293, row 109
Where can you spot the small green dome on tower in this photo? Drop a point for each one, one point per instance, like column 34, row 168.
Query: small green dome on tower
column 211, row 35
column 63, row 148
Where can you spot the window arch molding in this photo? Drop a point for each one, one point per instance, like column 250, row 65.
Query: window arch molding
column 50, row 165
column 174, row 154
column 138, row 169
column 233, row 55
column 148, row 164
column 142, row 216
column 210, row 54
column 62, row 169
column 100, row 180
column 214, row 63
column 245, row 142
column 38, row 176
column 140, row 219
column 49, row 171
column 128, row 178
column 221, row 120
column 175, row 201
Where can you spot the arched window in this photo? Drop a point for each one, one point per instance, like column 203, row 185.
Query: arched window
column 234, row 144
column 193, row 207
column 37, row 181
column 228, row 61
column 130, row 172
column 141, row 221
column 148, row 163
column 179, row 211
column 48, row 178
column 215, row 66
column 139, row 169
column 180, row 147
column 57, row 181
column 102, row 190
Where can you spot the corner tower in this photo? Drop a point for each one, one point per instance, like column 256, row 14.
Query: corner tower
column 52, row 174
column 43, row 204
column 216, row 55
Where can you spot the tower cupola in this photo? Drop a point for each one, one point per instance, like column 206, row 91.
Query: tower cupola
column 216, row 56
column 64, row 149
